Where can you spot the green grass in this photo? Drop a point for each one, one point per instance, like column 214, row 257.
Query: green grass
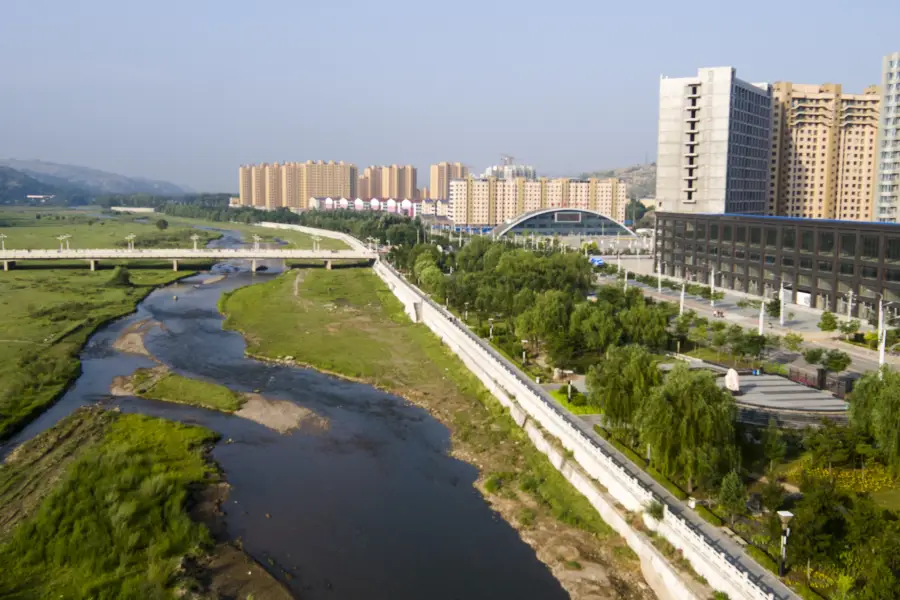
column 115, row 524
column 46, row 316
column 183, row 390
column 348, row 322
column 295, row 239
column 561, row 396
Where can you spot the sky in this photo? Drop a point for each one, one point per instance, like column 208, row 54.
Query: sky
column 187, row 90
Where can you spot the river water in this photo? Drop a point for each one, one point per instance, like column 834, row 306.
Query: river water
column 373, row 507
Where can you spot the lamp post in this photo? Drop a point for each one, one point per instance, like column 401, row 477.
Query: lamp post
column 712, row 287
column 625, row 287
column 316, row 239
column 130, row 239
column 491, row 321
column 256, row 240
column 523, row 351
column 849, row 304
column 781, row 294
column 2, row 241
column 681, row 304
column 785, row 517
column 195, row 238
column 659, row 277
column 63, row 240
column 467, row 312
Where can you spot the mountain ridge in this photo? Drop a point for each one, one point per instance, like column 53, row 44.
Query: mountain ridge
column 91, row 181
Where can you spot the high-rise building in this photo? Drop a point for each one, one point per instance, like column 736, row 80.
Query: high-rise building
column 245, row 185
column 823, row 151
column 441, row 175
column 291, row 185
column 489, row 201
column 714, row 143
column 887, row 187
column 510, row 171
column 392, row 181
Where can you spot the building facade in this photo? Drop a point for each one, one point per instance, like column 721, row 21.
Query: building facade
column 441, row 175
column 823, row 152
column 510, row 171
column 887, row 188
column 479, row 202
column 289, row 185
column 714, row 143
column 823, row 264
column 392, row 181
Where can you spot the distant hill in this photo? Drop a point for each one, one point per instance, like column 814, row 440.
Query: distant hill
column 16, row 186
column 91, row 181
column 641, row 179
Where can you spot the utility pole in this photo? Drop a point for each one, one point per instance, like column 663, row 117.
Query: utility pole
column 882, row 332
column 712, row 288
column 781, row 303
column 762, row 313
column 681, row 305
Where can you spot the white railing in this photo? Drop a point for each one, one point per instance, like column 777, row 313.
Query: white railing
column 635, row 480
column 226, row 253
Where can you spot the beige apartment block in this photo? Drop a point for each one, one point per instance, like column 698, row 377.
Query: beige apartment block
column 441, row 176
column 291, row 185
column 245, row 185
column 394, row 181
column 491, row 201
column 823, row 151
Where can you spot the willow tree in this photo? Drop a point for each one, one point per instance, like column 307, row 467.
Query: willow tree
column 875, row 410
column 620, row 384
column 688, row 424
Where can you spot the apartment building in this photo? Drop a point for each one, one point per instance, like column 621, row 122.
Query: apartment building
column 823, row 151
column 489, row 201
column 887, row 187
column 291, row 185
column 392, row 181
column 441, row 176
column 714, row 143
column 510, row 171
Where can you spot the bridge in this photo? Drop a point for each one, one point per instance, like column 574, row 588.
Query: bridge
column 10, row 258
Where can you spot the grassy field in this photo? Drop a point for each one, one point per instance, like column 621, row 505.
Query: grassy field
column 295, row 239
column 114, row 524
column 347, row 322
column 561, row 396
column 182, row 390
column 46, row 316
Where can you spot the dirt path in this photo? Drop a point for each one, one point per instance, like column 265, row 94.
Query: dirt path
column 214, row 279
column 297, row 281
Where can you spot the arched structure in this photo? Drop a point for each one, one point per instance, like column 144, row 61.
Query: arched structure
column 563, row 221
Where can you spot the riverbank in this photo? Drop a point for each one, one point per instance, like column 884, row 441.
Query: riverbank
column 47, row 316
column 101, row 505
column 347, row 322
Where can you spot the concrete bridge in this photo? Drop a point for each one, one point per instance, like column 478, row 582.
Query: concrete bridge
column 9, row 258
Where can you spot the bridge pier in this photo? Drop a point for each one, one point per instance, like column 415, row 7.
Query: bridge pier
column 253, row 265
column 328, row 265
column 174, row 264
column 8, row 264
column 93, row 264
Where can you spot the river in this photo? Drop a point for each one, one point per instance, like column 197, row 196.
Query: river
column 372, row 507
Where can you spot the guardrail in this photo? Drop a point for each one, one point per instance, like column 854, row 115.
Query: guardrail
column 141, row 253
column 636, row 480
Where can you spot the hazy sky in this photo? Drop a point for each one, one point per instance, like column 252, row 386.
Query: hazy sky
column 186, row 90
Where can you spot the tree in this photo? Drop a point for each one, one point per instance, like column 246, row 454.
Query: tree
column 836, row 361
column 813, row 356
column 733, row 496
column 719, row 342
column 818, row 526
column 875, row 411
column 773, row 308
column 688, row 423
column 793, row 341
column 828, row 322
column 774, row 446
column 849, row 328
column 620, row 384
column 594, row 328
column 772, row 494
column 162, row 224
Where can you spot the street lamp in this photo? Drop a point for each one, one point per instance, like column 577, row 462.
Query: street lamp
column 659, row 266
column 785, row 517
column 467, row 312
column 316, row 239
column 523, row 351
column 130, row 239
column 491, row 321
column 2, row 241
column 195, row 238
column 712, row 287
column 625, row 287
column 63, row 239
column 256, row 240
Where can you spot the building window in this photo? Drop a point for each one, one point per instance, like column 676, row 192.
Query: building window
column 713, row 232
column 739, row 254
column 870, row 247
column 848, row 244
column 726, row 233
column 826, row 242
column 868, row 272
column 847, row 268
column 806, row 263
column 755, row 236
column 892, row 274
column 892, row 252
column 740, row 234
column 788, row 239
column 771, row 238
column 807, row 242
column 824, row 266
column 787, row 261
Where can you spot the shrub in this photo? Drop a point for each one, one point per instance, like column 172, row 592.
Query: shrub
column 709, row 516
column 656, row 510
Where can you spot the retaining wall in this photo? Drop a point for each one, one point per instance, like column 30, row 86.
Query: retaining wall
column 723, row 565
